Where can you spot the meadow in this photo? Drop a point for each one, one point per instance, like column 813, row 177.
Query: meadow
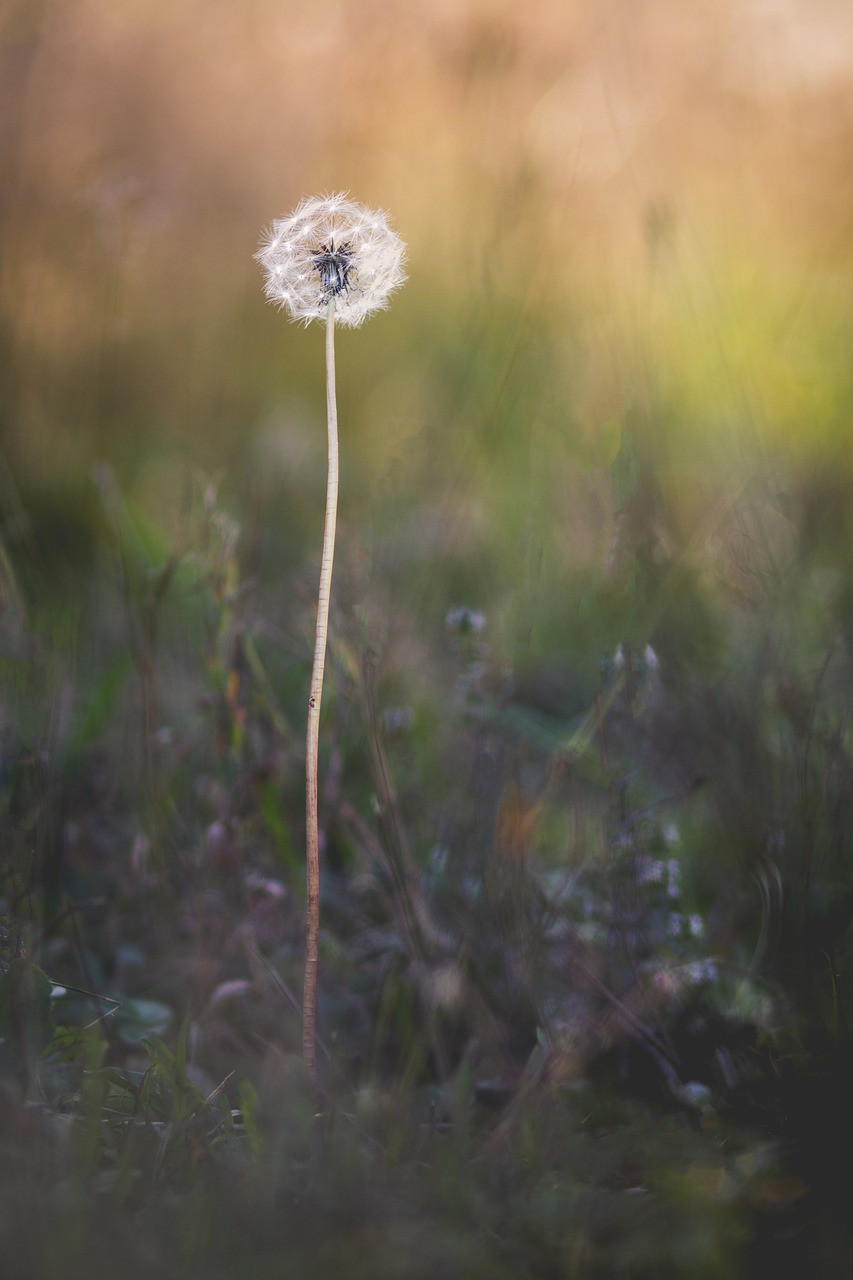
column 586, row 769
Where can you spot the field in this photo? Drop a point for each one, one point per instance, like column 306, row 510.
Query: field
column 586, row 761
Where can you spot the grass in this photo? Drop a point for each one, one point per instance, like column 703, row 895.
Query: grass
column 585, row 766
column 583, row 1002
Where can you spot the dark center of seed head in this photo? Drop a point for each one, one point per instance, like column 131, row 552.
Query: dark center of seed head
column 334, row 266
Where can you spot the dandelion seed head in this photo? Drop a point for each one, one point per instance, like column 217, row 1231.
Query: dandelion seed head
column 331, row 248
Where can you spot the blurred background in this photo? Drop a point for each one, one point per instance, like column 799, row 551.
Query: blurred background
column 610, row 407
column 629, row 237
column 586, row 744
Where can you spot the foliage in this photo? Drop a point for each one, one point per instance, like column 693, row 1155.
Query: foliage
column 586, row 748
column 585, row 939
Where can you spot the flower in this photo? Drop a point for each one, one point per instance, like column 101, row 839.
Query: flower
column 676, row 924
column 650, row 871
column 702, row 971
column 465, row 620
column 329, row 249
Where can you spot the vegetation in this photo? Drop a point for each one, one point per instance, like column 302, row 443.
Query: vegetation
column 585, row 756
column 585, row 939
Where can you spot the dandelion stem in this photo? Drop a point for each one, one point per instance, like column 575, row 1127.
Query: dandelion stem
column 312, row 840
column 337, row 261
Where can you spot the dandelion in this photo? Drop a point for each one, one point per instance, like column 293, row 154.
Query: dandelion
column 332, row 250
column 335, row 261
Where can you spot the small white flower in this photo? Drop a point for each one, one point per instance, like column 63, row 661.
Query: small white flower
column 464, row 620
column 651, row 871
column 398, row 719
column 702, row 971
column 696, row 925
column 331, row 248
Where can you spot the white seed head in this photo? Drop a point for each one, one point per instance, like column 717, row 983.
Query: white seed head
column 331, row 248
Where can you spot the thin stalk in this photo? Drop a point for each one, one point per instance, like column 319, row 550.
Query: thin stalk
column 312, row 839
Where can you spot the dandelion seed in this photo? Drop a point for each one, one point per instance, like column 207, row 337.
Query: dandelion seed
column 332, row 248
column 334, row 266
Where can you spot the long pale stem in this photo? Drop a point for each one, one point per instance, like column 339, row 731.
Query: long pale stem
column 312, row 840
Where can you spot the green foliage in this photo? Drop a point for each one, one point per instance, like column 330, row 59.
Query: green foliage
column 585, row 932
column 585, row 950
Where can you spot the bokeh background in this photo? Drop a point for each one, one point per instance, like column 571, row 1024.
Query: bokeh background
column 611, row 407
column 629, row 231
column 586, row 758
